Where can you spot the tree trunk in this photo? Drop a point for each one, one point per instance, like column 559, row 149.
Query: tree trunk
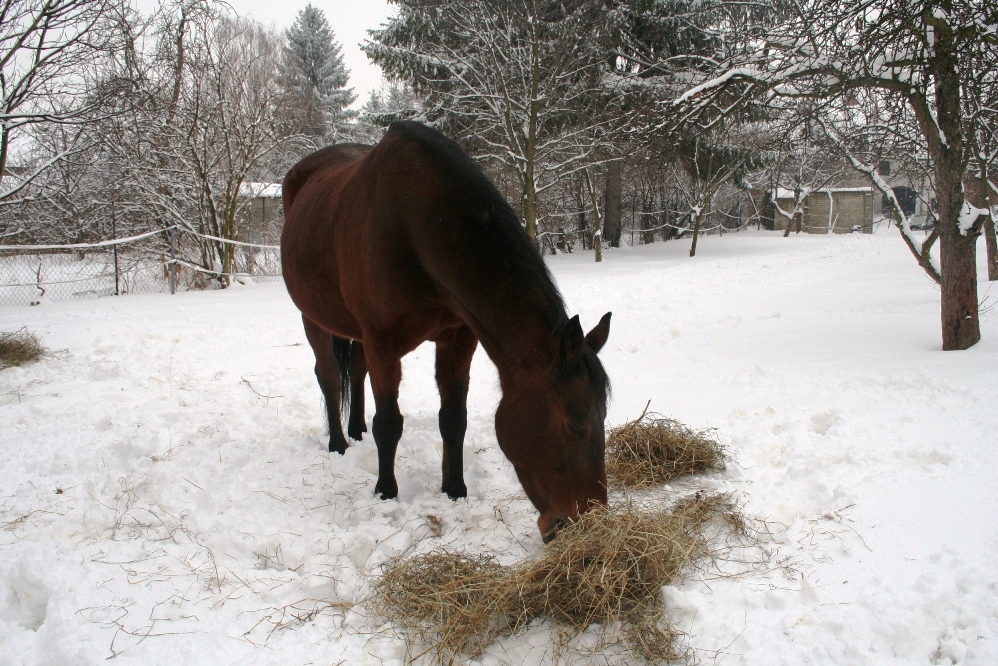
column 987, row 201
column 647, row 220
column 597, row 240
column 530, row 146
column 943, row 128
column 958, row 262
column 614, row 190
column 598, row 222
column 958, row 256
column 696, row 233
column 992, row 244
column 530, row 207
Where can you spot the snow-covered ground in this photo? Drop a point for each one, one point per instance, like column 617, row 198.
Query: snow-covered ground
column 166, row 497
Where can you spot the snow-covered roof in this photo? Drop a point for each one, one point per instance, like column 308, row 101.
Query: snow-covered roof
column 783, row 193
column 261, row 190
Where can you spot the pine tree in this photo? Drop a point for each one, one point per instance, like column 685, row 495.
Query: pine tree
column 314, row 71
column 395, row 100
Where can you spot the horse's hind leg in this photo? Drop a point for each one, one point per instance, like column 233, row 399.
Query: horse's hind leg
column 454, row 352
column 358, row 371
column 327, row 371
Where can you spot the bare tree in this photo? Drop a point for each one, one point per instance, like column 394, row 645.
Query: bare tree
column 710, row 165
column 211, row 119
column 519, row 80
column 48, row 74
column 911, row 66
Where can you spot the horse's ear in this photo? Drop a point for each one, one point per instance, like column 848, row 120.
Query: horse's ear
column 571, row 341
column 596, row 338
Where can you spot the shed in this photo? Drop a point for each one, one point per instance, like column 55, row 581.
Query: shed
column 264, row 202
column 839, row 210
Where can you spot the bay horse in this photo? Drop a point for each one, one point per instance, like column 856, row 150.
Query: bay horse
column 387, row 246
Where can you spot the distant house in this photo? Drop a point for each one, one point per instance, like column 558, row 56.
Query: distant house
column 839, row 210
column 916, row 198
column 261, row 215
column 264, row 202
column 849, row 203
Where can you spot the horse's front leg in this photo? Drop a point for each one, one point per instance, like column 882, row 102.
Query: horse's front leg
column 454, row 352
column 385, row 369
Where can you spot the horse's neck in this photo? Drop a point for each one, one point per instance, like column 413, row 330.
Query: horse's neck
column 515, row 330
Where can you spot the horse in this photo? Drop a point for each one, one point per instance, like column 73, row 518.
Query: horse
column 387, row 246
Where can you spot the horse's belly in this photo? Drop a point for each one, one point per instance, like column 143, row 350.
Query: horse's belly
column 322, row 303
column 337, row 322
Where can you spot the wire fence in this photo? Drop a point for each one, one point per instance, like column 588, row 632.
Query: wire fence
column 162, row 261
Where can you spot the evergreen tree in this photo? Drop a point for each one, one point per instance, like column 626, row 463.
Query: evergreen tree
column 314, row 71
column 395, row 100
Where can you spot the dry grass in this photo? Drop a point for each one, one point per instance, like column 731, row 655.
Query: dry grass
column 19, row 348
column 607, row 569
column 652, row 450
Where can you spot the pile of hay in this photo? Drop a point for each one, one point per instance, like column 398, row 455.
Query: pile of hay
column 606, row 569
column 652, row 450
column 18, row 348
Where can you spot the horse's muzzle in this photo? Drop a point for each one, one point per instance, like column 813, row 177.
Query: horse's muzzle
column 552, row 530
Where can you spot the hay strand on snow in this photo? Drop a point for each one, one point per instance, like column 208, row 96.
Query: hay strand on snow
column 653, row 449
column 19, row 348
column 607, row 569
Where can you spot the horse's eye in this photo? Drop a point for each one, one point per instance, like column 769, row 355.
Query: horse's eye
column 579, row 432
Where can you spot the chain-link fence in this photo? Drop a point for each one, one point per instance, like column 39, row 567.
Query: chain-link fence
column 149, row 263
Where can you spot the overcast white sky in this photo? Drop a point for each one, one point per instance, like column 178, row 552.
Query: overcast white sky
column 349, row 19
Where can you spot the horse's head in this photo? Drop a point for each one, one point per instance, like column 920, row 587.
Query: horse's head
column 551, row 429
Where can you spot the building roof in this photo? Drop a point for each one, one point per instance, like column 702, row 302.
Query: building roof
column 783, row 193
column 261, row 190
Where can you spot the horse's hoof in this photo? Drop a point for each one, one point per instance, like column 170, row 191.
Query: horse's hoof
column 386, row 491
column 356, row 434
column 337, row 447
column 456, row 491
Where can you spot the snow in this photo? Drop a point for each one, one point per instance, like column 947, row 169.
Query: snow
column 166, row 497
column 968, row 217
column 747, row 72
column 261, row 190
column 785, row 193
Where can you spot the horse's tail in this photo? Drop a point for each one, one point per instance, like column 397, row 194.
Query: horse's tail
column 342, row 349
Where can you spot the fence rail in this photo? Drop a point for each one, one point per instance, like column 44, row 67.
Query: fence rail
column 156, row 262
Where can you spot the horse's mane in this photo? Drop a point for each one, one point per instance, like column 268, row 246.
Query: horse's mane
column 477, row 197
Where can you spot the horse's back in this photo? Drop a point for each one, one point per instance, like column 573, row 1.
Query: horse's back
column 403, row 237
column 325, row 158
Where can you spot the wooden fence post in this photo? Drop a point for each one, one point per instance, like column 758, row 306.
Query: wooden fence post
column 173, row 260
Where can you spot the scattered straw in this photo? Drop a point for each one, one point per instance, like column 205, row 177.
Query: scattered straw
column 19, row 348
column 607, row 569
column 653, row 449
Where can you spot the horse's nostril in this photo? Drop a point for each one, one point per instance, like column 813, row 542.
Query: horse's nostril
column 556, row 525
